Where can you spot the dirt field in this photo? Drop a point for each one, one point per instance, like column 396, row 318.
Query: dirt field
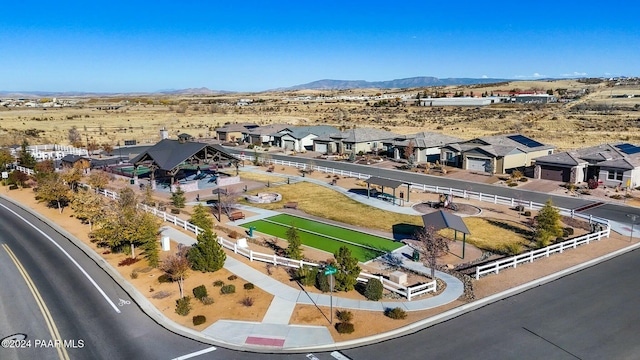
column 592, row 119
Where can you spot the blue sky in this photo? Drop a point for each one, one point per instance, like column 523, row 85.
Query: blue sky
column 132, row 46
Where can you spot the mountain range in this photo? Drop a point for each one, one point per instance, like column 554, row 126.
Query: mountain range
column 327, row 84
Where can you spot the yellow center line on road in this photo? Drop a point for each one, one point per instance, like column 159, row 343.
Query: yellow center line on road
column 53, row 330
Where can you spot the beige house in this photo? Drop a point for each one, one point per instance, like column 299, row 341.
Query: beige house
column 355, row 141
column 234, row 132
column 495, row 154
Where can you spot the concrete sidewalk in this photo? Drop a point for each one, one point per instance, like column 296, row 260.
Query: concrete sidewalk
column 275, row 331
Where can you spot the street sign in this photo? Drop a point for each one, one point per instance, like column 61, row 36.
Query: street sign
column 330, row 270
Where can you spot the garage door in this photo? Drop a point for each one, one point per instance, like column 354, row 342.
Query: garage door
column 555, row 173
column 321, row 147
column 478, row 164
column 289, row 145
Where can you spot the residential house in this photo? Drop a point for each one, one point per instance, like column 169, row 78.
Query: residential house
column 300, row 138
column 264, row 135
column 233, row 132
column 611, row 164
column 358, row 140
column 494, row 154
column 426, row 146
column 76, row 161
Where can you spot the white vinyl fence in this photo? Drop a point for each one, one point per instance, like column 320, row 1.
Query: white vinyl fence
column 407, row 291
column 496, row 266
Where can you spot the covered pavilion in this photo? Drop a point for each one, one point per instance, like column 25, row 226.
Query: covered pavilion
column 443, row 220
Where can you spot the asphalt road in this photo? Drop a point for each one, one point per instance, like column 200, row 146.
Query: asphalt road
column 591, row 314
column 77, row 308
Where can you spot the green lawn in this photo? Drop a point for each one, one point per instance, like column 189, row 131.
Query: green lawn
column 353, row 236
column 314, row 240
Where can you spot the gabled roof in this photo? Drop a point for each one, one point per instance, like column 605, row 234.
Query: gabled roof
column 425, row 140
column 236, row 127
column 507, row 140
column 168, row 154
column 600, row 153
column 359, row 135
column 567, row 158
column 443, row 220
column 623, row 163
column 70, row 158
column 267, row 129
column 299, row 132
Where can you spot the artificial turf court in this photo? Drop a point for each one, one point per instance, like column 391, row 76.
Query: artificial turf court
column 325, row 236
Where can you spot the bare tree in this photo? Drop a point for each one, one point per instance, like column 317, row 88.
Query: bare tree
column 177, row 267
column 228, row 201
column 409, row 153
column 431, row 246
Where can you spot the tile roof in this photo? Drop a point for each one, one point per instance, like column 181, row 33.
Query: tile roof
column 568, row 158
column 423, row 140
column 300, row 132
column 168, row 154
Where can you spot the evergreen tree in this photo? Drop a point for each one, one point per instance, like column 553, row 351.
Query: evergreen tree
column 548, row 226
column 348, row 269
column 293, row 251
column 178, row 198
column 26, row 159
column 201, row 217
column 207, row 255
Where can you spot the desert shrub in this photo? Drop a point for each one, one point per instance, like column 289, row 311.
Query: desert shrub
column 527, row 213
column 218, row 283
column 306, row 275
column 512, row 248
column 249, row 286
column 175, row 211
column 164, row 278
column 134, row 274
column 396, row 313
column 592, row 184
column 616, row 196
column 512, row 184
column 232, row 277
column 523, row 179
column 566, row 232
column 344, row 315
column 200, row 292
column 107, row 252
column 345, row 328
column 373, row 290
column 128, row 261
column 183, row 306
column 207, row 300
column 161, row 295
column 199, row 320
column 234, row 234
column 322, row 282
column 228, row 289
column 247, row 301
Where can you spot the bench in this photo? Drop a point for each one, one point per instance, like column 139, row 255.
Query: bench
column 236, row 215
column 291, row 205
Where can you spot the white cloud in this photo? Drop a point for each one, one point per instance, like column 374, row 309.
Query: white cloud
column 484, row 77
column 576, row 73
column 533, row 76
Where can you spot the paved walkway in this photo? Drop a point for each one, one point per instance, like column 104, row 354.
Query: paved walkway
column 275, row 331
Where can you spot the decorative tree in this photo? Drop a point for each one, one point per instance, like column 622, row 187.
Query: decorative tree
column 178, row 198
column 177, row 267
column 98, row 179
column 25, row 158
column 207, row 255
column 201, row 217
column 409, row 153
column 52, row 189
column 348, row 269
column 5, row 159
column 87, row 206
column 547, row 224
column 293, row 250
column 431, row 246
column 72, row 177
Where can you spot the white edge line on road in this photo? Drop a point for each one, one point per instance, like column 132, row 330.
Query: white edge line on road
column 197, row 353
column 69, row 256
